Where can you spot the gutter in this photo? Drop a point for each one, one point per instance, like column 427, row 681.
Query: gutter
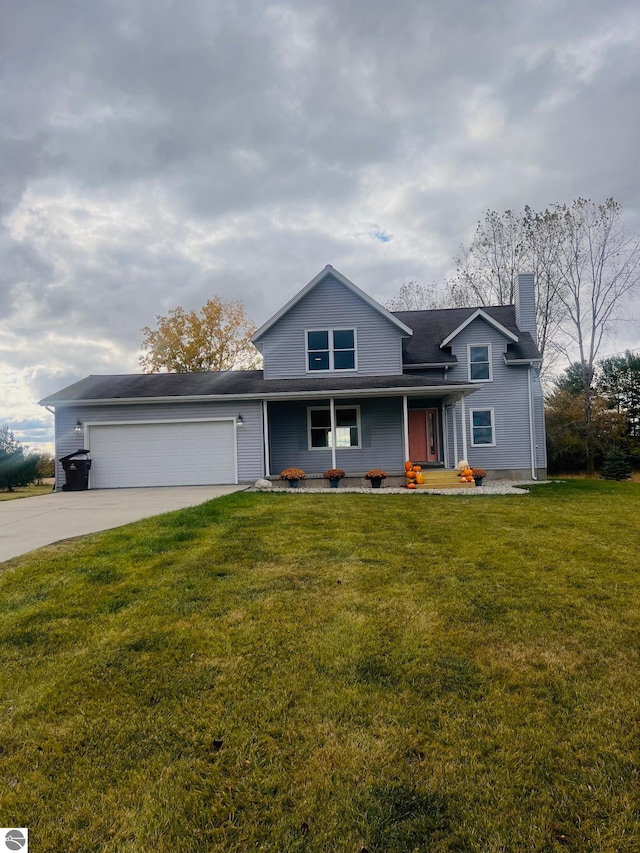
column 397, row 391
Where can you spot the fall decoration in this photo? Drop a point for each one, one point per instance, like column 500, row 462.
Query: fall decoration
column 376, row 474
column 292, row 474
column 333, row 474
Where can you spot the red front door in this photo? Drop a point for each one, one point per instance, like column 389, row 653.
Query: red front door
column 423, row 435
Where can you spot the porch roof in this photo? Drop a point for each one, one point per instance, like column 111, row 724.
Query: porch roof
column 243, row 384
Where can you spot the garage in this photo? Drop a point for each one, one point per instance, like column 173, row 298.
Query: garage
column 162, row 453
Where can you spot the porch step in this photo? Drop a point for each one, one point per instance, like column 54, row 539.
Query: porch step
column 443, row 479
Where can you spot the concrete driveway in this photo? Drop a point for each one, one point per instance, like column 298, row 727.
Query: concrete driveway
column 30, row 523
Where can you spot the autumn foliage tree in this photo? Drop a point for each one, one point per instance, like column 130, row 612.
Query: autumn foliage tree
column 216, row 338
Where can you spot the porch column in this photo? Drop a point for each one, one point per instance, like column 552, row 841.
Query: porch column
column 405, row 425
column 332, row 413
column 265, row 434
column 445, row 436
column 463, row 415
column 455, row 434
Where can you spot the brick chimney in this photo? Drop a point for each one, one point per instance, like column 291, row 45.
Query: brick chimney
column 526, row 304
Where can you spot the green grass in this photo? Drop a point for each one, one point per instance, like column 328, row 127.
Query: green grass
column 333, row 672
column 26, row 492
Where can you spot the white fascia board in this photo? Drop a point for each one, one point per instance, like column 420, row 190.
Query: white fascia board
column 482, row 315
column 430, row 365
column 329, row 270
column 515, row 361
column 418, row 390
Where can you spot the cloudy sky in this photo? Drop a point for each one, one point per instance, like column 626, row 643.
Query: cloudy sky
column 155, row 152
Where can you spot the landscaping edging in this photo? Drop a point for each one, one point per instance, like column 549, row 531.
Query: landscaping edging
column 496, row 487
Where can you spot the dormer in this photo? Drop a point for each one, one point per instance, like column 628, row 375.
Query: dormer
column 331, row 328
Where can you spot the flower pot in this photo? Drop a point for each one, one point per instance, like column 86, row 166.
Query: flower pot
column 478, row 480
column 375, row 482
column 293, row 484
column 334, row 482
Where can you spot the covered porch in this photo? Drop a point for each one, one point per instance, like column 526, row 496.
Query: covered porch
column 358, row 432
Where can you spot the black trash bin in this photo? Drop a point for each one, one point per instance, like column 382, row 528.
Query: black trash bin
column 76, row 468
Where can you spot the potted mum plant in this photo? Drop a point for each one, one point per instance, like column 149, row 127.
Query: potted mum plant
column 293, row 475
column 478, row 475
column 334, row 475
column 376, row 475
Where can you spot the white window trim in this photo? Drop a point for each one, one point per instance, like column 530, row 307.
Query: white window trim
column 493, row 425
column 489, row 356
column 310, row 409
column 330, row 330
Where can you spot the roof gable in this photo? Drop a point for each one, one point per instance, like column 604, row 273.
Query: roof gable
column 330, row 271
column 482, row 315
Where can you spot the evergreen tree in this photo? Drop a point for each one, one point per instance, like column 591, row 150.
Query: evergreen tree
column 616, row 465
column 17, row 466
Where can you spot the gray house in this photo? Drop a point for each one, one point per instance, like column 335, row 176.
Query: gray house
column 346, row 384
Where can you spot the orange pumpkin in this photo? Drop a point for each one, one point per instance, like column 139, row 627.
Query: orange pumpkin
column 411, row 486
column 408, row 465
column 417, row 467
column 419, row 477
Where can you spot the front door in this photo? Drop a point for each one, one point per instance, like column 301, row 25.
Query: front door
column 423, row 435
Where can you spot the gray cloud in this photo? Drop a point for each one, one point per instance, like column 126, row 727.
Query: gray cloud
column 154, row 154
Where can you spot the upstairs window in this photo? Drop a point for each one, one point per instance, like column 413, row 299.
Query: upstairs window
column 347, row 427
column 480, row 363
column 331, row 349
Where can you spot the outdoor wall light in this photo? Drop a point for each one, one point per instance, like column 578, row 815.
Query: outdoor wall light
column 78, row 426
column 239, row 422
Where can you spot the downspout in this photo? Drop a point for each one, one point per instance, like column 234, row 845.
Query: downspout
column 532, row 428
column 405, row 425
column 332, row 412
column 265, row 433
column 463, row 415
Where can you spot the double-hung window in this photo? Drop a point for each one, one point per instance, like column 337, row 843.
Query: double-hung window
column 482, row 428
column 480, row 363
column 331, row 349
column 347, row 420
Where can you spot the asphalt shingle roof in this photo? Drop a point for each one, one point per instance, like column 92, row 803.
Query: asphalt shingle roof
column 430, row 328
column 234, row 383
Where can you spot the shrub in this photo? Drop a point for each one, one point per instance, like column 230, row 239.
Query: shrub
column 616, row 465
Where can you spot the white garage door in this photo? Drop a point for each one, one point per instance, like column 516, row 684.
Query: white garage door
column 195, row 453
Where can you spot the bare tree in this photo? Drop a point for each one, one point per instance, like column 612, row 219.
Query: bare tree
column 415, row 297
column 504, row 245
column 599, row 267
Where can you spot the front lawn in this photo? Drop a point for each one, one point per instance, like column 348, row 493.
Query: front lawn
column 332, row 672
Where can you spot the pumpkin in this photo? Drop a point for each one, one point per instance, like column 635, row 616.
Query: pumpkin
column 419, row 477
column 408, row 465
column 417, row 467
column 411, row 486
column 411, row 475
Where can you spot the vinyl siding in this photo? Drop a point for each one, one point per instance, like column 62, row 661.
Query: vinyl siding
column 507, row 395
column 381, row 438
column 331, row 305
column 250, row 437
